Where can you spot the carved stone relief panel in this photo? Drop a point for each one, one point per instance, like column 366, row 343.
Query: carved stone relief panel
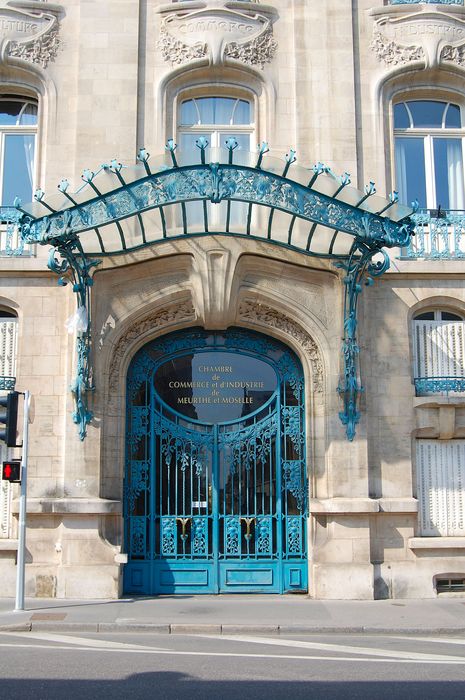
column 162, row 319
column 311, row 296
column 431, row 34
column 29, row 30
column 265, row 317
column 220, row 30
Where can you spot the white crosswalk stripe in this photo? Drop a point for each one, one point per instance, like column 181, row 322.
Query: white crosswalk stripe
column 343, row 648
column 82, row 641
column 328, row 652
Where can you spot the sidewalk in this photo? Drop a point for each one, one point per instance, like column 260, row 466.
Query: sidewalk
column 240, row 614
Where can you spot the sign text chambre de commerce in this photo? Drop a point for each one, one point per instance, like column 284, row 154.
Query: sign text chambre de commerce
column 217, row 389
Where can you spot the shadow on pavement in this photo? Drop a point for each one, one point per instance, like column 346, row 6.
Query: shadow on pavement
column 179, row 686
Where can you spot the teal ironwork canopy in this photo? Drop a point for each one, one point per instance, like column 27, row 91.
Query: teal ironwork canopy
column 120, row 209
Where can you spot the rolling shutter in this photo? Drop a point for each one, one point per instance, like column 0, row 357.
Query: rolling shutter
column 441, row 483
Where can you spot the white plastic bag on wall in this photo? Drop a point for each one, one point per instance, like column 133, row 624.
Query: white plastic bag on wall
column 78, row 321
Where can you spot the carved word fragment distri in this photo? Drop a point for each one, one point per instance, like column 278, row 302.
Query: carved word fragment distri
column 28, row 35
column 217, row 31
column 428, row 34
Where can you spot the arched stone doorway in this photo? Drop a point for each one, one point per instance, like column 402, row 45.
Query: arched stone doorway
column 215, row 483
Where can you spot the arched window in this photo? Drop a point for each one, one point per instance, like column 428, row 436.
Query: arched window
column 18, row 129
column 438, row 352
column 429, row 154
column 218, row 119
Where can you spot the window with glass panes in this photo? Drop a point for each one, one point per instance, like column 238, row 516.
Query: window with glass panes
column 429, row 154
column 18, row 129
column 217, row 119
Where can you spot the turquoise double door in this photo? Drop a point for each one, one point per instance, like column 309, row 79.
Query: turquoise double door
column 215, row 494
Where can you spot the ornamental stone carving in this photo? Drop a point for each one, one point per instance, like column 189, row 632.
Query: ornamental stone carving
column 454, row 54
column 262, row 315
column 394, row 54
column 220, row 30
column 168, row 316
column 29, row 30
column 310, row 297
column 431, row 34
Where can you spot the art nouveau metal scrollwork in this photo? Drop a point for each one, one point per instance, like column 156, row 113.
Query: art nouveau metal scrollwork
column 360, row 269
column 103, row 214
column 74, row 262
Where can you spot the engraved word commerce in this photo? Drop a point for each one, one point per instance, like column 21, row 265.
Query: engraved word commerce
column 216, row 25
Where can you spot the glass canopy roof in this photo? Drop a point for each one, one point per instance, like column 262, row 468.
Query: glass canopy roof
column 258, row 196
column 121, row 208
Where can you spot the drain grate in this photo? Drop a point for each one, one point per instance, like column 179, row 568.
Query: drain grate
column 48, row 616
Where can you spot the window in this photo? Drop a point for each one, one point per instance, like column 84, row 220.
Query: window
column 417, row 2
column 439, row 352
column 441, row 487
column 429, row 154
column 8, row 343
column 218, row 119
column 423, row 2
column 18, row 128
column 449, row 584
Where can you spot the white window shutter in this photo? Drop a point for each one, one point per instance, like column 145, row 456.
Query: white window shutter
column 439, row 348
column 8, row 347
column 440, row 483
column 5, row 501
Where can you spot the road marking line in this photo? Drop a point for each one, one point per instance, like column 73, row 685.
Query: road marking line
column 166, row 652
column 363, row 651
column 82, row 641
column 436, row 640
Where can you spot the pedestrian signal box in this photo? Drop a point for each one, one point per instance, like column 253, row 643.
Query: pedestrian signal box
column 11, row 471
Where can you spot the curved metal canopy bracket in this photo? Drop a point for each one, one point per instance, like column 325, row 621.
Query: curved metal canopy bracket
column 113, row 213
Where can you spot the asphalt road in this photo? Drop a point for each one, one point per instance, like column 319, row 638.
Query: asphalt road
column 49, row 666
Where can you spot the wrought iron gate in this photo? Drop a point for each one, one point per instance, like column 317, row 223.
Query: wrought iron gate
column 215, row 485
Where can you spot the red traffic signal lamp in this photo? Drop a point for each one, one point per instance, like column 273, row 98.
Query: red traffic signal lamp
column 11, row 471
column 9, row 418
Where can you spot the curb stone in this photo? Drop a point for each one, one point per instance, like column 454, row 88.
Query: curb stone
column 16, row 627
column 218, row 629
column 142, row 627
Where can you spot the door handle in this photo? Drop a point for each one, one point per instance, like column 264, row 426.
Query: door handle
column 248, row 522
column 183, row 522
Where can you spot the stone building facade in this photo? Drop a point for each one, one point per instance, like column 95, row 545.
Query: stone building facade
column 371, row 88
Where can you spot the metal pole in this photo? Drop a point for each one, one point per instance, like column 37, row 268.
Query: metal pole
column 22, row 511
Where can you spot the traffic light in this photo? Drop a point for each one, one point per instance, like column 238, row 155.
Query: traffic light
column 11, row 471
column 9, row 418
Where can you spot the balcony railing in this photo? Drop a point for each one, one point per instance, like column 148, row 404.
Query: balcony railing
column 10, row 241
column 439, row 357
column 439, row 235
column 7, row 383
column 425, row 2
